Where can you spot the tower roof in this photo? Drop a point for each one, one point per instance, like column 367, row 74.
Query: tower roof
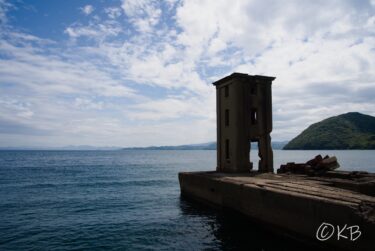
column 243, row 76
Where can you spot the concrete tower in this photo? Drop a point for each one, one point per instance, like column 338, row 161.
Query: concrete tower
column 244, row 115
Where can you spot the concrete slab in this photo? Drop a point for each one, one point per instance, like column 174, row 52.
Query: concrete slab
column 338, row 208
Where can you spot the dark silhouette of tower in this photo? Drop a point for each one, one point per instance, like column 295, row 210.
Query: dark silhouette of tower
column 244, row 115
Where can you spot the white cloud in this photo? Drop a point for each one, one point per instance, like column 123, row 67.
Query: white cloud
column 216, row 45
column 143, row 14
column 32, row 70
column 94, row 30
column 87, row 9
column 113, row 12
column 81, row 31
column 175, row 107
column 18, row 108
column 85, row 103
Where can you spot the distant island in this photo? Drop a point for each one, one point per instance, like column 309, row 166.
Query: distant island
column 203, row 146
column 61, row 148
column 351, row 130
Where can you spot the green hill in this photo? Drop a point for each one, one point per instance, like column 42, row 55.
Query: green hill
column 351, row 130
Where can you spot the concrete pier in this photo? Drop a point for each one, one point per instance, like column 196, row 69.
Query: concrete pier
column 334, row 210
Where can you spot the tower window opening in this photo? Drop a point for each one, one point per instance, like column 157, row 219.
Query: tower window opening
column 226, row 117
column 226, row 91
column 255, row 157
column 253, row 116
column 227, row 148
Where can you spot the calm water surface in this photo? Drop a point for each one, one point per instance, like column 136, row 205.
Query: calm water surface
column 126, row 200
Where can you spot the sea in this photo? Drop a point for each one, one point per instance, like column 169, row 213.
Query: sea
column 128, row 200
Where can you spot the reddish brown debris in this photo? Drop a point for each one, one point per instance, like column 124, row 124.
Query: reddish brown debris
column 314, row 166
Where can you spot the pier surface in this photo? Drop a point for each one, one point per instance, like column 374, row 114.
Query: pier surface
column 338, row 205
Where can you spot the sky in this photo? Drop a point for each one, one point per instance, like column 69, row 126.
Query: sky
column 140, row 73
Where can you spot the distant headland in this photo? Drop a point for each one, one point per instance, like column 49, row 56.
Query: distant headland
column 351, row 130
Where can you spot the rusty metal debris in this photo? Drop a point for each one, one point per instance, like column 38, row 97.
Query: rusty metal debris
column 314, row 166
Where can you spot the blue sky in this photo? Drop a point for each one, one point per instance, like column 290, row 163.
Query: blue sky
column 138, row 73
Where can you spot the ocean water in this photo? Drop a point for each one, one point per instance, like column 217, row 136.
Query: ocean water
column 126, row 200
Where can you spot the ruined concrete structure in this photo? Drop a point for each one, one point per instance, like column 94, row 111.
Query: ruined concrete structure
column 301, row 198
column 244, row 115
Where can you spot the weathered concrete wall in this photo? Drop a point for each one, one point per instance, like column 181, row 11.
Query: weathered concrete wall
column 244, row 115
